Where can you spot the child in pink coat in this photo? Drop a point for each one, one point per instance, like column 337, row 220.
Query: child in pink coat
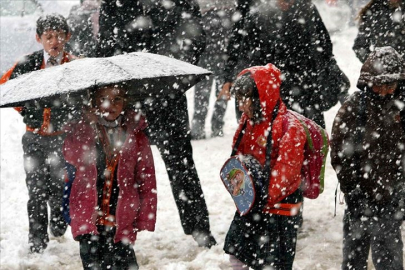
column 112, row 181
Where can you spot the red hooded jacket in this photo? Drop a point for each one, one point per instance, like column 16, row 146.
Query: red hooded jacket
column 137, row 201
column 288, row 136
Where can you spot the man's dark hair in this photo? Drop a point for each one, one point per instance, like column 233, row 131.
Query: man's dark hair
column 52, row 22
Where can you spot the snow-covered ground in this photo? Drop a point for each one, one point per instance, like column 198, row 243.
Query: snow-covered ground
column 319, row 244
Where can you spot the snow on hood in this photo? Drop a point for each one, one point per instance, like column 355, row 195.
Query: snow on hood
column 383, row 65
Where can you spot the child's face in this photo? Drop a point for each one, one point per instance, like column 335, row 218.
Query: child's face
column 239, row 177
column 53, row 41
column 385, row 89
column 245, row 106
column 110, row 102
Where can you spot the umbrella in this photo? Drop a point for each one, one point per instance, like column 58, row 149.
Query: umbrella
column 145, row 75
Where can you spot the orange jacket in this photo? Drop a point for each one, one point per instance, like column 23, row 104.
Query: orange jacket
column 43, row 130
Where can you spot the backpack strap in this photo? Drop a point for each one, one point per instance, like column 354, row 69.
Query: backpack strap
column 267, row 168
column 269, row 139
column 238, row 140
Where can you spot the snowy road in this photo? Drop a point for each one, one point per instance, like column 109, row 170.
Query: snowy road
column 319, row 245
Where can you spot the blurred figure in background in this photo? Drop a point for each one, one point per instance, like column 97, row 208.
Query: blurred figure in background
column 291, row 35
column 42, row 142
column 83, row 20
column 216, row 19
column 367, row 145
column 382, row 23
column 173, row 29
column 355, row 6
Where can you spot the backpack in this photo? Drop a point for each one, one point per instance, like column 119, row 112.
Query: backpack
column 249, row 190
column 256, row 177
column 315, row 153
column 246, row 181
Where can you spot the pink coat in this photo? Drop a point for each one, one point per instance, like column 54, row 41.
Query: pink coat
column 137, row 201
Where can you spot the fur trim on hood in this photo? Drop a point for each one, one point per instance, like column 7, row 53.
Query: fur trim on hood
column 383, row 66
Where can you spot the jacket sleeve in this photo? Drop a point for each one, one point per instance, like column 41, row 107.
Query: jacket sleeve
column 234, row 48
column 320, row 38
column 197, row 36
column 286, row 170
column 6, row 76
column 343, row 144
column 363, row 41
column 145, row 177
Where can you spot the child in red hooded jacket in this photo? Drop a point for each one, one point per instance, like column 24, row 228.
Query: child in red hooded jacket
column 112, row 177
column 267, row 237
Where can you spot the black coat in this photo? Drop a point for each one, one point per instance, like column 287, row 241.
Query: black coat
column 174, row 31
column 298, row 43
column 178, row 31
column 380, row 26
column 119, row 30
column 218, row 26
column 83, row 40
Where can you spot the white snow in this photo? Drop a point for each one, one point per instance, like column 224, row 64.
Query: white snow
column 319, row 245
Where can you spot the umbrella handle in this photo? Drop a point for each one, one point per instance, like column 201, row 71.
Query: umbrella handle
column 89, row 99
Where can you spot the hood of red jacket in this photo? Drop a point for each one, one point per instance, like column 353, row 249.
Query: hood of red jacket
column 268, row 81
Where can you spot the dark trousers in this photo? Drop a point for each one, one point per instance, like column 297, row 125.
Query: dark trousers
column 263, row 240
column 169, row 129
column 44, row 167
column 283, row 244
column 201, row 104
column 368, row 226
column 100, row 252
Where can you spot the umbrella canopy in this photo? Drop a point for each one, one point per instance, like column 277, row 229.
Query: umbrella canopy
column 145, row 75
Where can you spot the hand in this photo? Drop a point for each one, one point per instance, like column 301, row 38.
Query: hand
column 90, row 114
column 225, row 92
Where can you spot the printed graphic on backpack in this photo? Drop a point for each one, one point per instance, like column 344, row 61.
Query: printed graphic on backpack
column 245, row 180
column 239, row 183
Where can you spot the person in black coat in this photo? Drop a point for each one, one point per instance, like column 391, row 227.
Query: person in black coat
column 217, row 22
column 382, row 23
column 123, row 28
column 83, row 20
column 175, row 31
column 291, row 35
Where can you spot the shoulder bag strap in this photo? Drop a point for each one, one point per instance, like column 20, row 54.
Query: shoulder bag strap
column 269, row 138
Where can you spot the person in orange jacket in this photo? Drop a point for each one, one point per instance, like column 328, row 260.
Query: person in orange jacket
column 42, row 141
column 266, row 236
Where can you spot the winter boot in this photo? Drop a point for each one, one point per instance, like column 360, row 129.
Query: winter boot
column 204, row 239
column 197, row 130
